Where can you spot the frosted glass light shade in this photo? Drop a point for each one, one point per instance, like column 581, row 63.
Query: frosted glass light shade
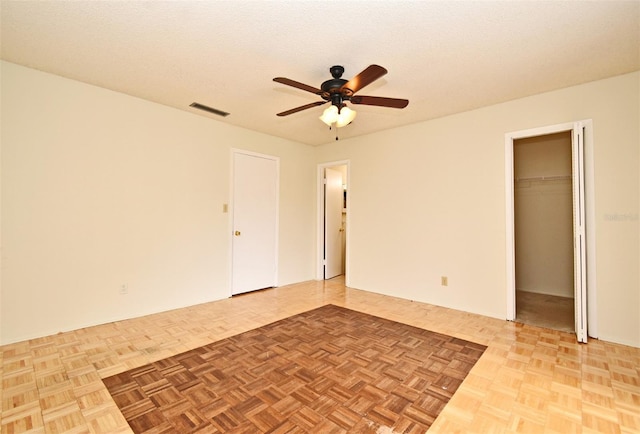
column 330, row 115
column 345, row 117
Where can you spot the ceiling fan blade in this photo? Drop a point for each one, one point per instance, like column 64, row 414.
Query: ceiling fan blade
column 380, row 101
column 302, row 107
column 368, row 76
column 298, row 85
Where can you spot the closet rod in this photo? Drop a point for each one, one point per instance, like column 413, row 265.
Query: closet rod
column 545, row 178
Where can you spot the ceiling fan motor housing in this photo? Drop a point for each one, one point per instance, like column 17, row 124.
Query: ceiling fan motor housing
column 332, row 89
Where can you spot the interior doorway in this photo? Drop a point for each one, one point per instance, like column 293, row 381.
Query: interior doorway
column 333, row 219
column 543, row 211
column 583, row 214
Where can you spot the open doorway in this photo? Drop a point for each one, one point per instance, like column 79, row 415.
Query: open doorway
column 583, row 210
column 543, row 211
column 333, row 220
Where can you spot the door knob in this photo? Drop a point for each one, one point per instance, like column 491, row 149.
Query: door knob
column 237, row 233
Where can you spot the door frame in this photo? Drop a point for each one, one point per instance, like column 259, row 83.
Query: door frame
column 320, row 219
column 230, row 209
column 590, row 220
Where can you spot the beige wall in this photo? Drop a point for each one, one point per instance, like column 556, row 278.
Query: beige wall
column 543, row 208
column 100, row 189
column 446, row 177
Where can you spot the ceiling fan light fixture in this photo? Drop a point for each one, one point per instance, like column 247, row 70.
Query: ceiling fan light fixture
column 345, row 117
column 330, row 115
column 340, row 117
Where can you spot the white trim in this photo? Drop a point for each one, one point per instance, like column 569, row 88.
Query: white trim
column 592, row 319
column 510, row 224
column 230, row 223
column 590, row 222
column 320, row 219
column 235, row 151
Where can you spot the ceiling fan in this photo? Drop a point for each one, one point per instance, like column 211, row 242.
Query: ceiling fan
column 338, row 91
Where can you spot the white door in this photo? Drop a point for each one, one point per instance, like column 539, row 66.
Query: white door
column 579, row 241
column 255, row 206
column 333, row 204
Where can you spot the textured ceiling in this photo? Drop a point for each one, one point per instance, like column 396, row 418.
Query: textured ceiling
column 445, row 57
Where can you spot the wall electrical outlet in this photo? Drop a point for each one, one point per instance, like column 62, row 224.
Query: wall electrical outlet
column 124, row 289
column 444, row 281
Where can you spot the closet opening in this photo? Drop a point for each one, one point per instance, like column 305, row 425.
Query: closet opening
column 553, row 172
column 543, row 223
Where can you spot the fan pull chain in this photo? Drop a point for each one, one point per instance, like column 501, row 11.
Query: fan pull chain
column 336, row 132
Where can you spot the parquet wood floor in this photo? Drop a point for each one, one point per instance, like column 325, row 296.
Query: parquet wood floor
column 529, row 379
column 328, row 369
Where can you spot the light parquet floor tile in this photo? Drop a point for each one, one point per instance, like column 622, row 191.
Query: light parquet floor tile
column 529, row 379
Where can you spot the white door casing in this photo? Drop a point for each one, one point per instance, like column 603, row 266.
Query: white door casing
column 333, row 200
column 255, row 221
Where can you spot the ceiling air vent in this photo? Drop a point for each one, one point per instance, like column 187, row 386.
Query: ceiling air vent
column 208, row 109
